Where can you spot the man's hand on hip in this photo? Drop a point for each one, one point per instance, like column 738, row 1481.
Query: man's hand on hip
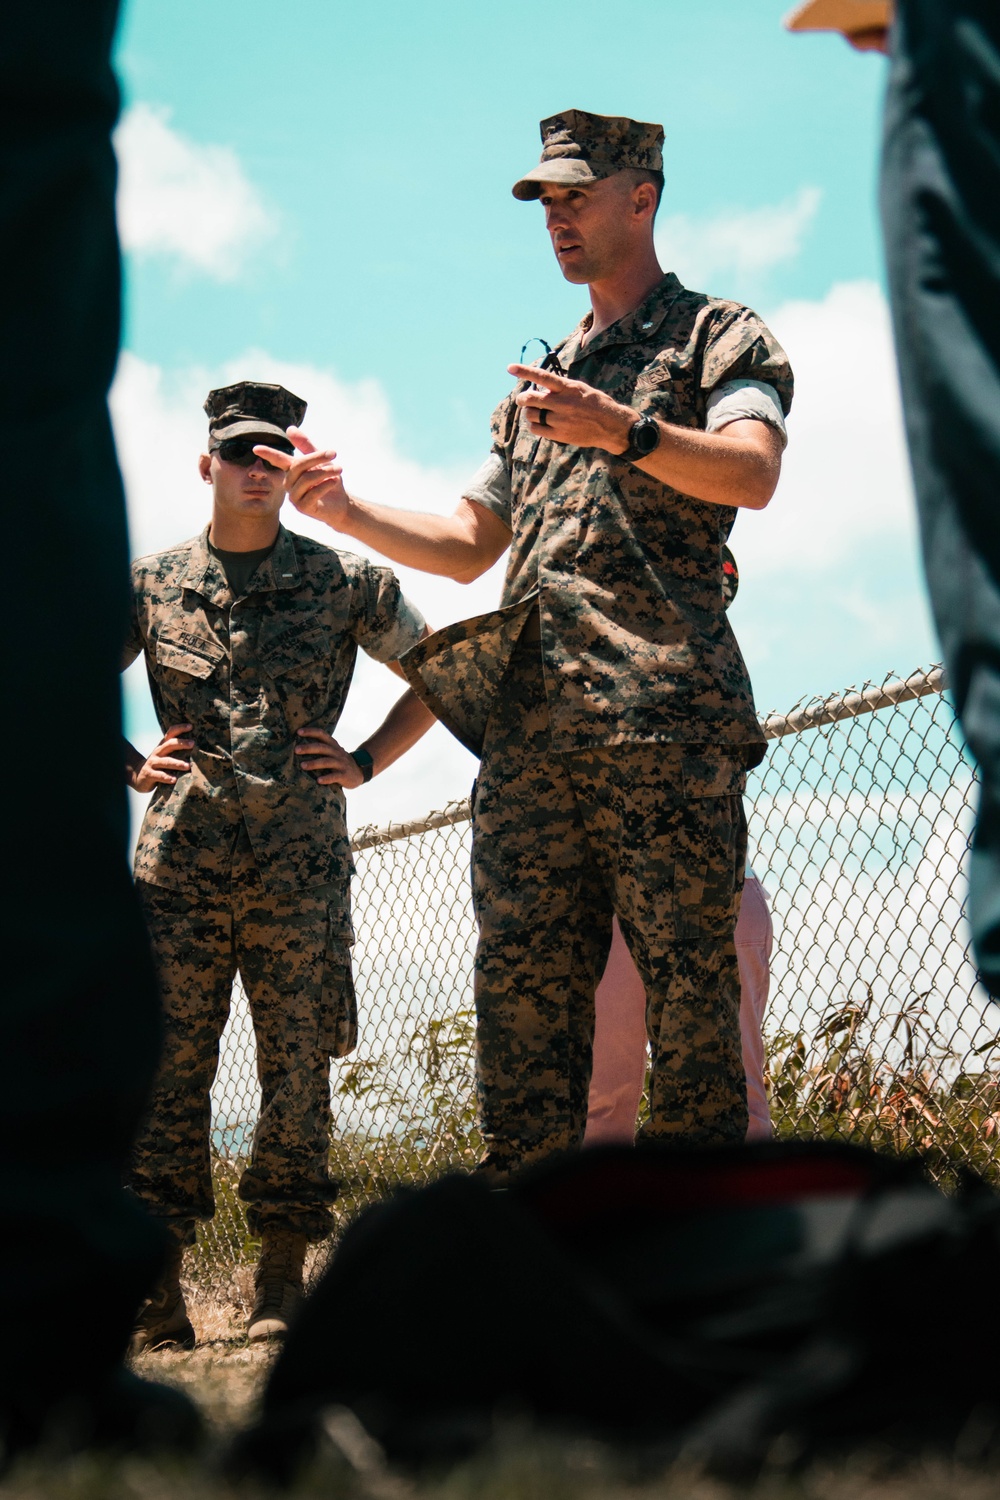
column 570, row 411
column 313, row 482
column 162, row 767
column 328, row 761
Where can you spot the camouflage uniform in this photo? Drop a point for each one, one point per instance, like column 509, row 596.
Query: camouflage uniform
column 245, row 864
column 614, row 749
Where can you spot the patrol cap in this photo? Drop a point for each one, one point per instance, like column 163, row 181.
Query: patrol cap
column 848, row 16
column 578, row 148
column 252, row 408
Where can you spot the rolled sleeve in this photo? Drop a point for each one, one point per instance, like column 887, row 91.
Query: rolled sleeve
column 390, row 623
column 490, row 488
column 745, row 400
column 741, row 347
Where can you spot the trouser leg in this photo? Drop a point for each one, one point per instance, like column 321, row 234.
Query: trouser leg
column 619, row 1067
column 545, row 922
column 294, row 959
column 669, row 830
column 192, row 940
column 941, row 214
column 754, row 938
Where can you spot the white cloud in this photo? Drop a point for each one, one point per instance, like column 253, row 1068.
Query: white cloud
column 743, row 243
column 845, row 486
column 832, row 589
column 812, row 613
column 160, row 429
column 185, row 201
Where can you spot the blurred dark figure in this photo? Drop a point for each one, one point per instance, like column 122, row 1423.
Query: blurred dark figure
column 725, row 1305
column 941, row 215
column 78, row 1014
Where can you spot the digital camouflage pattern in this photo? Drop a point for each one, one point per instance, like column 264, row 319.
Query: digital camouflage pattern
column 479, row 651
column 628, row 571
column 252, row 406
column 247, row 673
column 561, row 841
column 293, row 955
column 578, row 147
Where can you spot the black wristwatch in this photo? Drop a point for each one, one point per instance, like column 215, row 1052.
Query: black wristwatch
column 364, row 763
column 643, row 436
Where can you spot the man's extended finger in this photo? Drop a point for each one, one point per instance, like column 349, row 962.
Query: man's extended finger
column 298, row 437
column 547, row 379
column 310, row 478
column 310, row 463
column 273, row 456
column 167, row 763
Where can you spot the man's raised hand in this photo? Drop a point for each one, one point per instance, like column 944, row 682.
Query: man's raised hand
column 313, row 481
column 570, row 411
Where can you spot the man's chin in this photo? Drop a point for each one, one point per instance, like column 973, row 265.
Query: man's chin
column 577, row 272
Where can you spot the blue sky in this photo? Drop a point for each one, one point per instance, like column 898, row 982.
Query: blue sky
column 387, row 137
column 323, row 192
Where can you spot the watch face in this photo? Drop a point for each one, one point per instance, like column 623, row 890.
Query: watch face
column 645, row 435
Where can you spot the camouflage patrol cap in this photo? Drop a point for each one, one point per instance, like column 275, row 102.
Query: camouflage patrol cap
column 578, row 148
column 251, row 407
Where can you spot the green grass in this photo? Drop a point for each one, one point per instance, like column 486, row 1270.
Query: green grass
column 838, row 1084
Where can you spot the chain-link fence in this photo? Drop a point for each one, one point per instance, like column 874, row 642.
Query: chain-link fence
column 859, row 824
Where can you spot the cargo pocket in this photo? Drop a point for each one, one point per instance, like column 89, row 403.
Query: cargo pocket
column 711, row 855
column 338, row 1021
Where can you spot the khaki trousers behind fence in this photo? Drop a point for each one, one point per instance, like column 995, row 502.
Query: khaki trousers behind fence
column 294, row 962
column 653, row 833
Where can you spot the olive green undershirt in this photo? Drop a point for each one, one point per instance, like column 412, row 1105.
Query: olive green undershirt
column 239, row 567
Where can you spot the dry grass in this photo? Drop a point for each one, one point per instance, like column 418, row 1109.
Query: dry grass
column 908, row 1094
column 519, row 1468
column 836, row 1084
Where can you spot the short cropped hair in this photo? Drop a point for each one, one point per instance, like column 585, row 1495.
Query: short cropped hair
column 636, row 175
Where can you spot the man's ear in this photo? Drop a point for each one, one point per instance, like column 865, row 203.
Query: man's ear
column 205, row 468
column 644, row 200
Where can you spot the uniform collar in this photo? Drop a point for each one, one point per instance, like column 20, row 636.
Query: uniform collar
column 281, row 570
column 636, row 327
column 204, row 573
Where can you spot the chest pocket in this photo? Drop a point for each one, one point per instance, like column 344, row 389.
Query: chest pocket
column 299, row 666
column 189, row 660
column 668, row 390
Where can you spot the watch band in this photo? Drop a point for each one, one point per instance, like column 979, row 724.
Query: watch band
column 364, row 763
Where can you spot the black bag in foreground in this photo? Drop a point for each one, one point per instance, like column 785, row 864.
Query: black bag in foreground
column 704, row 1303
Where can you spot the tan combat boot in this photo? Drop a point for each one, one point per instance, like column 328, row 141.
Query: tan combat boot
column 277, row 1284
column 163, row 1321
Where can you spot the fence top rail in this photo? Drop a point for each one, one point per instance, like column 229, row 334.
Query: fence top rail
column 851, row 705
column 812, row 715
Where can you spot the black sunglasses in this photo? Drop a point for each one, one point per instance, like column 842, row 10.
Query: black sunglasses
column 239, row 450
